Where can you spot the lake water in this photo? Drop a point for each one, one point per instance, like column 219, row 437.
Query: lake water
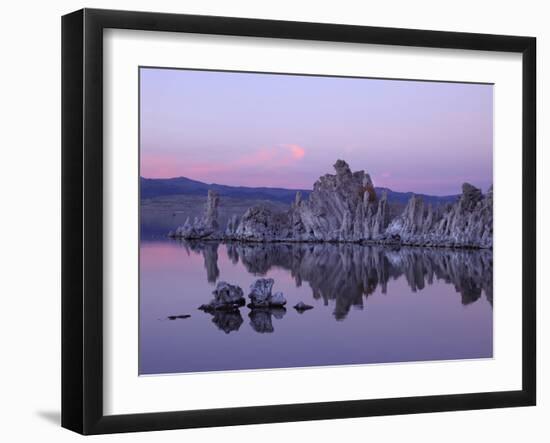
column 371, row 305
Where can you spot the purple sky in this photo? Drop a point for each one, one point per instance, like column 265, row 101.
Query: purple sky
column 286, row 130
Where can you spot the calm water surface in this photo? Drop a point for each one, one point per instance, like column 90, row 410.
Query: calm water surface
column 371, row 305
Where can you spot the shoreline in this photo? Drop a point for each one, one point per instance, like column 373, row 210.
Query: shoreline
column 332, row 242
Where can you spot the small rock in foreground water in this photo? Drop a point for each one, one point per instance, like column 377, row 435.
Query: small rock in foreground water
column 301, row 307
column 175, row 317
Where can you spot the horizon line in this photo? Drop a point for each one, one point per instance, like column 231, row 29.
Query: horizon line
column 310, row 190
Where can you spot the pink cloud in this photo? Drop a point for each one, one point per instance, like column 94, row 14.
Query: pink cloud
column 296, row 151
column 265, row 159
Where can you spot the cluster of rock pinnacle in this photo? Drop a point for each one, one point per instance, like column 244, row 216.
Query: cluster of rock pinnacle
column 345, row 207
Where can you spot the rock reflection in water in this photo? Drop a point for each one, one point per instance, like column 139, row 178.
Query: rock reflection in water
column 227, row 321
column 261, row 318
column 209, row 251
column 349, row 273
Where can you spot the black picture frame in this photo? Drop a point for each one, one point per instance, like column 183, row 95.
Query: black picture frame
column 82, row 218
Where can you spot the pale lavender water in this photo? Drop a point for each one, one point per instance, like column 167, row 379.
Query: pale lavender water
column 371, row 305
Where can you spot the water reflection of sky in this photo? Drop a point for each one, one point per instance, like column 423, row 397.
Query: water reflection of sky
column 371, row 305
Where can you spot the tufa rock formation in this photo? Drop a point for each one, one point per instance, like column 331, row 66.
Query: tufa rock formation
column 261, row 224
column 261, row 296
column 467, row 223
column 226, row 297
column 205, row 228
column 302, row 307
column 344, row 207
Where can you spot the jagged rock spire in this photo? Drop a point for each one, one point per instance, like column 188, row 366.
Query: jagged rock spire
column 211, row 212
column 205, row 227
column 342, row 168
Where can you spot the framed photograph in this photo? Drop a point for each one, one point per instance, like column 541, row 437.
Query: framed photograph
column 268, row 221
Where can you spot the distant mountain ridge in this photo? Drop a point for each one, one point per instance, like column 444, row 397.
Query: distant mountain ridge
column 161, row 187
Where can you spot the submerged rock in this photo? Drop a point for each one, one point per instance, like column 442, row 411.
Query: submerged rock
column 226, row 297
column 302, row 307
column 176, row 317
column 260, row 294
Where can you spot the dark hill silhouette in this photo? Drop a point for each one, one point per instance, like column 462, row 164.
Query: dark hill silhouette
column 162, row 187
